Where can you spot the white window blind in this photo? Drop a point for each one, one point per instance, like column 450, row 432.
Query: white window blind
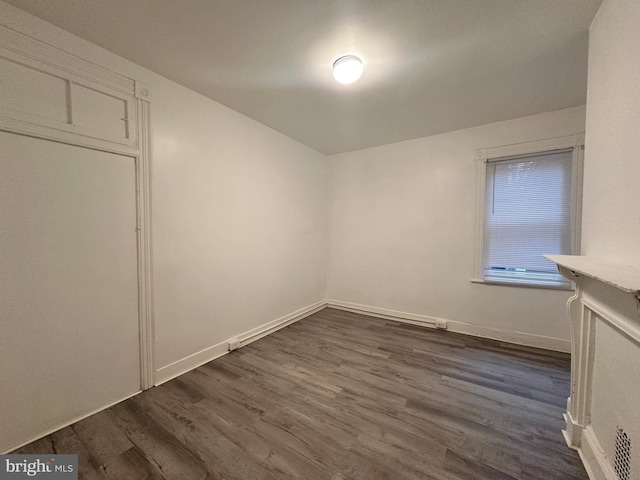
column 527, row 214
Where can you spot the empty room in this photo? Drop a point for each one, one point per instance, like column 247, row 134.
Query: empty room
column 320, row 239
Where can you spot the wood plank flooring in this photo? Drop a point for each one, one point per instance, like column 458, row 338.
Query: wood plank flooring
column 341, row 396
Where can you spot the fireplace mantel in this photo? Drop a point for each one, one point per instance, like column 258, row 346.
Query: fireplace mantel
column 623, row 277
column 604, row 316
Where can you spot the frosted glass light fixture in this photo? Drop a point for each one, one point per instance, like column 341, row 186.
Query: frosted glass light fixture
column 347, row 69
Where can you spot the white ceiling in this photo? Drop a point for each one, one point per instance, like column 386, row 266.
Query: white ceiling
column 431, row 66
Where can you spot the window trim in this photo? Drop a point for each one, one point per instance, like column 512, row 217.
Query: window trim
column 484, row 155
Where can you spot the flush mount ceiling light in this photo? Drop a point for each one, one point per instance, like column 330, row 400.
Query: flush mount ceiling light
column 347, row 69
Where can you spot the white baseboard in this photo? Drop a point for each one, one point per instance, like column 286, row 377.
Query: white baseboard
column 519, row 338
column 268, row 328
column 412, row 318
column 205, row 355
column 177, row 368
column 593, row 457
column 69, row 422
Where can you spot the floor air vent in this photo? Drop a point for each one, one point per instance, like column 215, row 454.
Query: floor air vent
column 622, row 463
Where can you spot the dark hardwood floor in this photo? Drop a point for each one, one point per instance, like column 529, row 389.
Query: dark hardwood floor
column 341, row 396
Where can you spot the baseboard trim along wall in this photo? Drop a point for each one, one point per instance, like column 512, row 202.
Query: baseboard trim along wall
column 429, row 322
column 177, row 368
column 519, row 338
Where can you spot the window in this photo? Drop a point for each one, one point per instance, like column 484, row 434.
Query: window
column 529, row 205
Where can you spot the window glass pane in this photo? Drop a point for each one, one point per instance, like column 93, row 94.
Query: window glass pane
column 527, row 214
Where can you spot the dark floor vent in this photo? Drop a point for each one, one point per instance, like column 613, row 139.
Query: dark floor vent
column 622, row 463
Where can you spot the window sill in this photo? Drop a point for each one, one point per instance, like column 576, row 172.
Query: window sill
column 506, row 283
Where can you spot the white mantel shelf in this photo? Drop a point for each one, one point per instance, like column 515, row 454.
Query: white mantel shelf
column 624, row 277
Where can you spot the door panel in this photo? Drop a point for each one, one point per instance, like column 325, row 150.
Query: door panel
column 69, row 332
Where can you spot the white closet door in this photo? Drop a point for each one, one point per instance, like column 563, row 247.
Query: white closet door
column 69, row 338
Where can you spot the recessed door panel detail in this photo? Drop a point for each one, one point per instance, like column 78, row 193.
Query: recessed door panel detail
column 113, row 119
column 61, row 100
column 32, row 92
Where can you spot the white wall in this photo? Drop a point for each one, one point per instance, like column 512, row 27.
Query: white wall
column 611, row 219
column 238, row 223
column 402, row 229
column 238, row 210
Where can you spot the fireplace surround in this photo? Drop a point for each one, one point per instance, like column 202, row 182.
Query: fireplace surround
column 603, row 410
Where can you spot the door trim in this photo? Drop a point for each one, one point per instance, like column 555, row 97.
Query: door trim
column 42, row 57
